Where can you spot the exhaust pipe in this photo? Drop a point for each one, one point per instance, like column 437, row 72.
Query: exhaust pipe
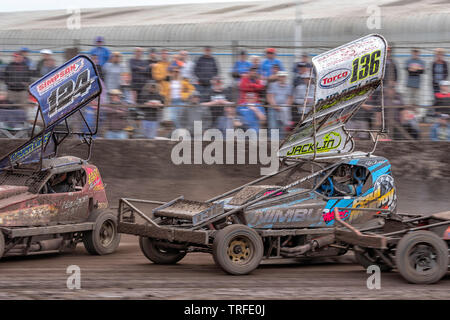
column 310, row 246
column 44, row 245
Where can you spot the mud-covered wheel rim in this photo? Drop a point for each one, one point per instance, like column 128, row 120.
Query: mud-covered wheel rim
column 422, row 258
column 240, row 250
column 107, row 233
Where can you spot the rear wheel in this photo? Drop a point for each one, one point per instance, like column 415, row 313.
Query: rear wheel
column 370, row 257
column 159, row 254
column 104, row 239
column 238, row 249
column 422, row 257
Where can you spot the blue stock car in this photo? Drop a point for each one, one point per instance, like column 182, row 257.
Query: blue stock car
column 294, row 219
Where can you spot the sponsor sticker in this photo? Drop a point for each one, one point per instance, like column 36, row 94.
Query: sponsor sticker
column 329, row 142
column 334, row 78
column 60, row 76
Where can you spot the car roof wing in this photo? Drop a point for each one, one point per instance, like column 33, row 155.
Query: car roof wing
column 59, row 94
column 345, row 77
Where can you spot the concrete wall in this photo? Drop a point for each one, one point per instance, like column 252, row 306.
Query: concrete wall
column 128, row 159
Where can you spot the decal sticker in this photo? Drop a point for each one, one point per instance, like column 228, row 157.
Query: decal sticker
column 334, row 78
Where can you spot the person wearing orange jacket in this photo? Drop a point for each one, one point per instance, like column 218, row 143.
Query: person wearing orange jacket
column 176, row 93
column 160, row 71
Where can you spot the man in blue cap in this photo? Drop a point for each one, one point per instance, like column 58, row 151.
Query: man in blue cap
column 24, row 52
column 100, row 51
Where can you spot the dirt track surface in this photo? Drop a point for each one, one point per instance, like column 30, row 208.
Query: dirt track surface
column 127, row 274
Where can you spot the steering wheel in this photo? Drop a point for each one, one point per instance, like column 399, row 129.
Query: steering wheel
column 327, row 187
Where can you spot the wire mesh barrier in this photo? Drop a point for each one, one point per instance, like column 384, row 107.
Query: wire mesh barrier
column 158, row 121
column 151, row 90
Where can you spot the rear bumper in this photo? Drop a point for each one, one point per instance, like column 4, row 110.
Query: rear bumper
column 164, row 233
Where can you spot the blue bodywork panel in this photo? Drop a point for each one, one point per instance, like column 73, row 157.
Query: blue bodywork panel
column 314, row 209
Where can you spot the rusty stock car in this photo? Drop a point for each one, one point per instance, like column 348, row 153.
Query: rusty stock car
column 48, row 202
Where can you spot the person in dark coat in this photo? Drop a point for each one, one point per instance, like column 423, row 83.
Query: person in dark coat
column 439, row 69
column 17, row 78
column 205, row 70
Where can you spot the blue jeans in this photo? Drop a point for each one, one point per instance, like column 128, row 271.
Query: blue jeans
column 175, row 112
column 150, row 128
column 273, row 121
column 116, row 135
column 224, row 123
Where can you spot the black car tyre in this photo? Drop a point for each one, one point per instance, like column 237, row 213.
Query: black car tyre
column 422, row 257
column 237, row 249
column 369, row 257
column 158, row 254
column 104, row 239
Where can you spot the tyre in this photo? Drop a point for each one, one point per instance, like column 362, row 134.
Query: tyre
column 158, row 254
column 422, row 257
column 2, row 244
column 104, row 239
column 237, row 249
column 369, row 257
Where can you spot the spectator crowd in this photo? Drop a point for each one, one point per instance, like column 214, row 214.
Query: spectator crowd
column 158, row 89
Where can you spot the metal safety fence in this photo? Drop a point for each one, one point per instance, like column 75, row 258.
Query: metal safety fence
column 157, row 121
column 153, row 87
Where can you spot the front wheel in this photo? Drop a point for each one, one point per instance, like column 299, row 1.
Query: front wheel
column 104, row 239
column 237, row 249
column 422, row 257
column 159, row 254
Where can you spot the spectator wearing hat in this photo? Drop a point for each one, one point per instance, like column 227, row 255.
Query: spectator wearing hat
column 46, row 64
column 267, row 64
column 415, row 68
column 100, row 51
column 24, row 52
column 251, row 83
column 440, row 131
column 116, row 116
column 241, row 67
column 251, row 112
column 112, row 71
column 206, row 68
column 279, row 97
column 17, row 77
column 439, row 69
column 154, row 102
column 139, row 72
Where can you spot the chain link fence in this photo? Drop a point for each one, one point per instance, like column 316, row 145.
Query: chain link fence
column 151, row 90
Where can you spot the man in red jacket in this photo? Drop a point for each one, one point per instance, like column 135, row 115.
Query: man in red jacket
column 251, row 83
